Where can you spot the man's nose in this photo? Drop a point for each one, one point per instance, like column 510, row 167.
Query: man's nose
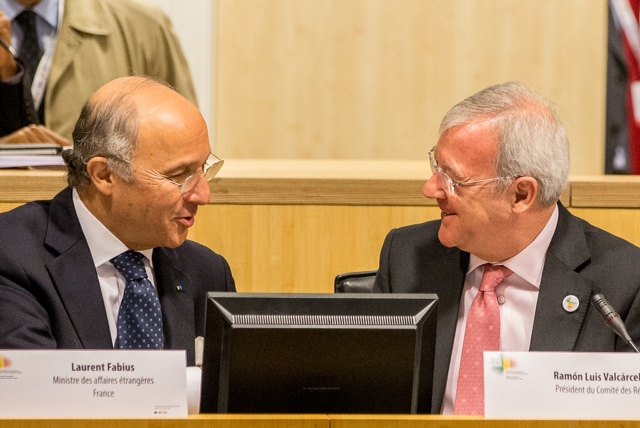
column 200, row 194
column 432, row 189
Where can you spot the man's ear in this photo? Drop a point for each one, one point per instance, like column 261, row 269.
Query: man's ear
column 525, row 193
column 100, row 174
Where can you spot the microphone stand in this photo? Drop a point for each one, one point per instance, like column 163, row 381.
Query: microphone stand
column 612, row 319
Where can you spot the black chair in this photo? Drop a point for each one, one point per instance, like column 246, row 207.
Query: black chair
column 355, row 282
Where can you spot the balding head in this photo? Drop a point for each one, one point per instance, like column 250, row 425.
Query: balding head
column 142, row 92
column 111, row 121
column 128, row 87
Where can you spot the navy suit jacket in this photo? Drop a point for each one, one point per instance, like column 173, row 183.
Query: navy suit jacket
column 580, row 259
column 49, row 291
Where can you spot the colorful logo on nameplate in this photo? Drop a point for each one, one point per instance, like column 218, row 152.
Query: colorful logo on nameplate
column 5, row 363
column 504, row 364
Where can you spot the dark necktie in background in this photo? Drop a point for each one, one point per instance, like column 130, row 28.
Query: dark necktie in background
column 140, row 316
column 30, row 50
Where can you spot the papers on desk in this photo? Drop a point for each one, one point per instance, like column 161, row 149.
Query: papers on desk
column 12, row 161
column 30, row 149
column 30, row 155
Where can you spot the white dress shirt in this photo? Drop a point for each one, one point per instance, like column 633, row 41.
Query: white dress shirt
column 517, row 296
column 104, row 246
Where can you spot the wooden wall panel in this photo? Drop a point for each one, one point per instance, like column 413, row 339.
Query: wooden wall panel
column 294, row 248
column 371, row 79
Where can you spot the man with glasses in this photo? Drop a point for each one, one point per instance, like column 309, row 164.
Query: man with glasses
column 137, row 174
column 498, row 170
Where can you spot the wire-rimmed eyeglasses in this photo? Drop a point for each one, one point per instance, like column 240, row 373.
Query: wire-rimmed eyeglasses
column 449, row 184
column 209, row 169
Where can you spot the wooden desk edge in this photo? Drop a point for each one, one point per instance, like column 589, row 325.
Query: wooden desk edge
column 582, row 192
column 315, row 421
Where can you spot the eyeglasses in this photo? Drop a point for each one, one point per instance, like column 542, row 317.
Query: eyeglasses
column 449, row 184
column 209, row 169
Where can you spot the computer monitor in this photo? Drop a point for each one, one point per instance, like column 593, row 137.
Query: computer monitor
column 318, row 353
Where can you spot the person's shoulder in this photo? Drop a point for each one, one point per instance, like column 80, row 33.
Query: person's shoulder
column 604, row 242
column 190, row 245
column 23, row 230
column 414, row 236
column 26, row 216
column 204, row 265
column 138, row 11
column 421, row 230
column 191, row 250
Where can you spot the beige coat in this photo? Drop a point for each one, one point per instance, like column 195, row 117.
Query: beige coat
column 100, row 40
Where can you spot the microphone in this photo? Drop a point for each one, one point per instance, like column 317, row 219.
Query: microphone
column 611, row 318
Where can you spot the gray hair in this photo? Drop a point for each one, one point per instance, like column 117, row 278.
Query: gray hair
column 106, row 127
column 532, row 139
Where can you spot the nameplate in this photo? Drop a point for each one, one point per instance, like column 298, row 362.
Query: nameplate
column 92, row 384
column 562, row 385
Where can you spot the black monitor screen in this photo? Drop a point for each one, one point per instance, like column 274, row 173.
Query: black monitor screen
column 318, row 353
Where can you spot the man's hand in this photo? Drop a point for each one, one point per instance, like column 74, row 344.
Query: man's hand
column 34, row 134
column 8, row 66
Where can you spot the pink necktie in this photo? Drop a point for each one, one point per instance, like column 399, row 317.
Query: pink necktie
column 482, row 334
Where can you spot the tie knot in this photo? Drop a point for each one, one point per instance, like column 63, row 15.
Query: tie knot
column 492, row 277
column 27, row 21
column 130, row 264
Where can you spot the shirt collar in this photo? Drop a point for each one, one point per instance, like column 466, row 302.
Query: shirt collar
column 528, row 264
column 46, row 9
column 103, row 244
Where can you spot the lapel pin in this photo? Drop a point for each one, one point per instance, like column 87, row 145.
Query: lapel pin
column 179, row 288
column 570, row 303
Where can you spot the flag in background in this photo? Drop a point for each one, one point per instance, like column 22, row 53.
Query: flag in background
column 622, row 155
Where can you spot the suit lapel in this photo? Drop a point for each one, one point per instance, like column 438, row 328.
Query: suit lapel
column 174, row 290
column 74, row 276
column 446, row 274
column 568, row 252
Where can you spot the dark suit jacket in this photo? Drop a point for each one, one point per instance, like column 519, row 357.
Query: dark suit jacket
column 580, row 258
column 49, row 291
column 16, row 106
